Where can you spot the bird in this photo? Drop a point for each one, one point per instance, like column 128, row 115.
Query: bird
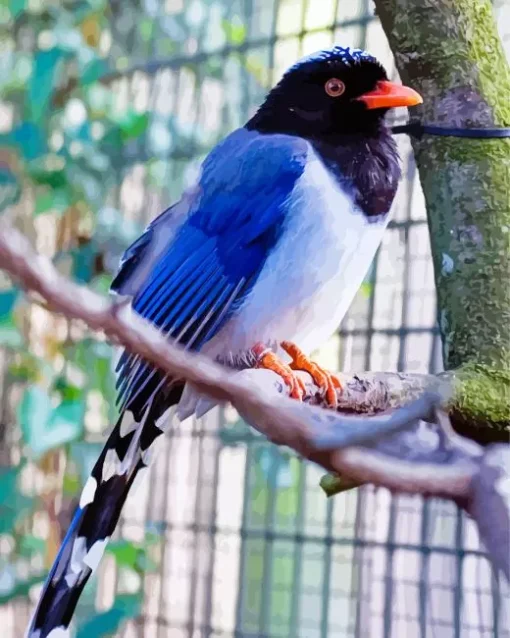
column 255, row 265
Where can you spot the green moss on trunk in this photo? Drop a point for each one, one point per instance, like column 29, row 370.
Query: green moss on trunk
column 469, row 221
column 480, row 403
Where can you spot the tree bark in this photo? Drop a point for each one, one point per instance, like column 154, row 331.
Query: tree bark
column 450, row 51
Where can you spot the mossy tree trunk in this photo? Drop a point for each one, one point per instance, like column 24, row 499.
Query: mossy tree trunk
column 450, row 51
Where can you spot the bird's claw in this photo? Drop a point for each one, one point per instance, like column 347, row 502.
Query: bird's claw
column 327, row 382
column 267, row 359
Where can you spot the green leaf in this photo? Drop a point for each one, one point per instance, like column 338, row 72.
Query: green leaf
column 10, row 336
column 18, row 588
column 68, row 391
column 335, row 484
column 34, row 411
column 132, row 125
column 48, row 171
column 16, row 7
column 92, row 70
column 101, row 284
column 28, row 367
column 94, row 358
column 13, row 504
column 29, row 545
column 146, row 564
column 29, row 138
column 112, row 140
column 44, row 427
column 133, row 555
column 66, row 422
column 108, row 623
column 125, row 552
column 10, row 188
column 56, row 200
column 71, row 485
column 85, row 454
column 43, row 82
column 235, row 31
column 84, row 258
column 8, row 300
column 146, row 28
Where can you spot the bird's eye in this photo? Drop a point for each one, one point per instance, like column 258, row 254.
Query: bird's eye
column 334, row 87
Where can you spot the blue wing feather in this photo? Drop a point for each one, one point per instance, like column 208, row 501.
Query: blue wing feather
column 222, row 246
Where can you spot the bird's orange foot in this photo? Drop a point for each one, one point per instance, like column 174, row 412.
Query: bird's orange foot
column 327, row 382
column 266, row 358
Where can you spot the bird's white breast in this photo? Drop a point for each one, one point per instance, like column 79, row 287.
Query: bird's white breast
column 311, row 277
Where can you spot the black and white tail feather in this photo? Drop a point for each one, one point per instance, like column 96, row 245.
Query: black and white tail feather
column 124, row 459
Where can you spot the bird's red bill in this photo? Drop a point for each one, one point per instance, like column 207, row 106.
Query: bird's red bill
column 389, row 95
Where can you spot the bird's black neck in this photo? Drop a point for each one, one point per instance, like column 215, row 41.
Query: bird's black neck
column 365, row 163
column 367, row 167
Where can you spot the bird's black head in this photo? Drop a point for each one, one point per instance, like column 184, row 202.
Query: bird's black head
column 340, row 91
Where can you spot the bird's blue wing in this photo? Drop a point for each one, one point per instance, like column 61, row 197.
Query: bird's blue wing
column 203, row 274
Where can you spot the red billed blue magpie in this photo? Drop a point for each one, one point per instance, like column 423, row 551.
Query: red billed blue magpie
column 262, row 258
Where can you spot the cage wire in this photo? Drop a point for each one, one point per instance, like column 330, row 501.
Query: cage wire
column 247, row 544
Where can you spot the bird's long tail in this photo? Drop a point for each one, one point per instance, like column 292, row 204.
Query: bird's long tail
column 127, row 452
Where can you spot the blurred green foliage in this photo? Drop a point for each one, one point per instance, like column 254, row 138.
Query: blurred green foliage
column 108, row 622
column 68, row 138
column 64, row 139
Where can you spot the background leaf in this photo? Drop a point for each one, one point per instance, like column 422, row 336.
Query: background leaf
column 10, row 188
column 235, row 31
column 84, row 455
column 107, row 623
column 56, row 200
column 17, row 588
column 29, row 138
column 43, row 82
column 16, row 7
column 9, row 333
column 29, row 545
column 132, row 125
column 44, row 427
column 14, row 505
column 7, row 300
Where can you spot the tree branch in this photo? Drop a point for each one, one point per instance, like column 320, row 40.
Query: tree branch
column 405, row 447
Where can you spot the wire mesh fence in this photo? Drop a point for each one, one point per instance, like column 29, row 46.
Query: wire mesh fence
column 245, row 544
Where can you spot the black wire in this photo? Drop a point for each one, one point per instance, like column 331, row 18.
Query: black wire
column 416, row 129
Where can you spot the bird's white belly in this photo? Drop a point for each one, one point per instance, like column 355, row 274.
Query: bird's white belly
column 310, row 279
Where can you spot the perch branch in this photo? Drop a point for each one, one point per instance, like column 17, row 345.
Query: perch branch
column 282, row 421
column 393, row 452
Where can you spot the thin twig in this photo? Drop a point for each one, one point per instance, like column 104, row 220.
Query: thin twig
column 335, row 431
column 431, row 479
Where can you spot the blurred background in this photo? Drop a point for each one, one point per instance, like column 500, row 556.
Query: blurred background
column 106, row 111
